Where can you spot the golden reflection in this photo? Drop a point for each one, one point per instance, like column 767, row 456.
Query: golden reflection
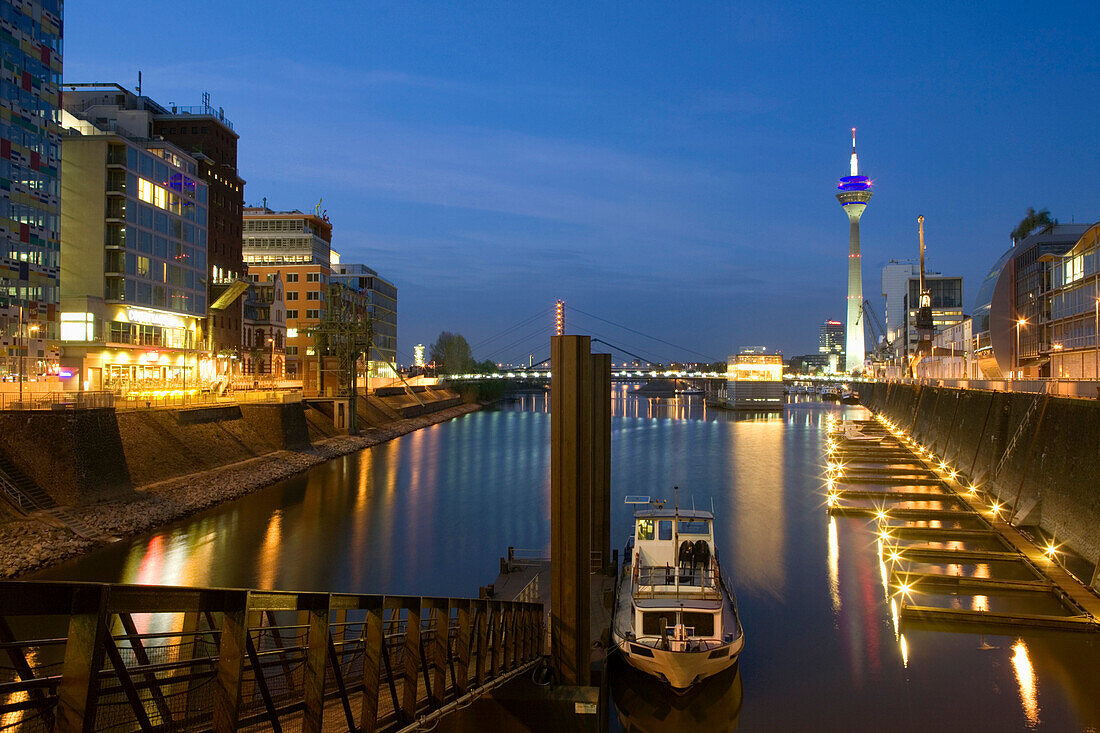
column 1025, row 677
column 980, row 603
column 904, row 650
column 834, row 565
column 270, row 552
column 13, row 717
column 759, row 509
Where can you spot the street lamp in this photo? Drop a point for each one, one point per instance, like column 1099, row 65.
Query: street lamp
column 1020, row 323
column 23, row 355
column 1096, row 341
column 271, row 368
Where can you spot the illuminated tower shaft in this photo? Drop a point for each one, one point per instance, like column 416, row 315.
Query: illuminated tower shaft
column 854, row 194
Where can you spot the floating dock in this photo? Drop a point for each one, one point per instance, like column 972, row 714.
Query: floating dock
column 961, row 532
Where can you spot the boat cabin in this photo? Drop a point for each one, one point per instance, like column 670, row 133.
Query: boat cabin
column 675, row 576
column 670, row 538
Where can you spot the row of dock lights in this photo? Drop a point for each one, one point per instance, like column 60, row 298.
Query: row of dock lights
column 995, row 507
column 888, row 549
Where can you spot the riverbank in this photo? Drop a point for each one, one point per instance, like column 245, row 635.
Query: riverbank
column 39, row 541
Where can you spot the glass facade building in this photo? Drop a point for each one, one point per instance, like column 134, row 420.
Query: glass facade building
column 30, row 162
column 134, row 235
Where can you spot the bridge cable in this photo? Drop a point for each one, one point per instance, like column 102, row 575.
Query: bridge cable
column 508, row 330
column 541, row 332
column 621, row 349
column 646, row 335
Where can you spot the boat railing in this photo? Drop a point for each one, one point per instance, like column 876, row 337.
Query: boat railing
column 668, row 581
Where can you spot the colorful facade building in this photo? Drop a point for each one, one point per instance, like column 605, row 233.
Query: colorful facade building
column 30, row 194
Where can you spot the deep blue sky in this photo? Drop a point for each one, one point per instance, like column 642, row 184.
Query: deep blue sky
column 670, row 166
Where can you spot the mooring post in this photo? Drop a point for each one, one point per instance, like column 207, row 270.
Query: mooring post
column 570, row 506
column 601, row 458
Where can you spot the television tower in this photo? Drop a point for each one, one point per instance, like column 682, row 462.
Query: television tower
column 855, row 192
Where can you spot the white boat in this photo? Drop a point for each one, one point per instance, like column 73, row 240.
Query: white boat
column 830, row 394
column 676, row 614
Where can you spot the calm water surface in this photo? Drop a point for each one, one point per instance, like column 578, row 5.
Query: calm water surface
column 430, row 513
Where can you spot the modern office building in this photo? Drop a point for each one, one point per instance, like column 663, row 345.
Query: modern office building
column 855, row 194
column 1013, row 302
column 830, row 344
column 947, row 306
column 381, row 297
column 1072, row 310
column 30, row 195
column 206, row 135
column 133, row 233
column 298, row 247
column 895, row 290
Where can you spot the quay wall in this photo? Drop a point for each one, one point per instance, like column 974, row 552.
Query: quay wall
column 75, row 455
column 81, row 457
column 1047, row 470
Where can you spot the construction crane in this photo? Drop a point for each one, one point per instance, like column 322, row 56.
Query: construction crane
column 882, row 349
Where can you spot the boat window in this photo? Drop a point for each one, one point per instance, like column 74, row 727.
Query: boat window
column 645, row 529
column 702, row 622
column 651, row 622
column 664, row 529
column 694, row 527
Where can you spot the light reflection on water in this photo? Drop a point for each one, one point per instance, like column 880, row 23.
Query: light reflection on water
column 430, row 513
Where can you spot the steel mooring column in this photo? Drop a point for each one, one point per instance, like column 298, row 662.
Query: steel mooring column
column 601, row 458
column 570, row 506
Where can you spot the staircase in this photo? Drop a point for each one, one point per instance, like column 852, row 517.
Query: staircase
column 1016, row 438
column 19, row 490
column 27, row 497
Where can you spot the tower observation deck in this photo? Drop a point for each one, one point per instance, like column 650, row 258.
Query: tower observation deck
column 854, row 193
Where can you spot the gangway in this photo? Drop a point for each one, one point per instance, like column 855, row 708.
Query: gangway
column 95, row 656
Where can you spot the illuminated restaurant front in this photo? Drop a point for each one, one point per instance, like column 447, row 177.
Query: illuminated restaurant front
column 132, row 348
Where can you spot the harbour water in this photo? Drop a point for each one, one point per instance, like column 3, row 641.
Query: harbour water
column 430, row 513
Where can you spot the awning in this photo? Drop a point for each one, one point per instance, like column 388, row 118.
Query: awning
column 233, row 291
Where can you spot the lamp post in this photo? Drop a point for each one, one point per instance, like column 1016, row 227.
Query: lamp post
column 1096, row 341
column 271, row 368
column 1019, row 324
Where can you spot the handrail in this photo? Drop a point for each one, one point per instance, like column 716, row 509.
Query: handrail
column 248, row 657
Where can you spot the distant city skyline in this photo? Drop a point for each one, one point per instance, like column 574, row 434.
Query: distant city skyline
column 666, row 168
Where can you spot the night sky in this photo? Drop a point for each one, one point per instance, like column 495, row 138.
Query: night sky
column 666, row 166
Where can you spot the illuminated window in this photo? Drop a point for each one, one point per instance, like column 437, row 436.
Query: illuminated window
column 145, row 190
column 143, row 266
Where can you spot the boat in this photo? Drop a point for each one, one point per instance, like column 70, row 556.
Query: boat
column 830, row 394
column 676, row 613
column 849, row 397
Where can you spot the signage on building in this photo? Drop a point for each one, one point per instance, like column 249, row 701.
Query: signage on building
column 147, row 317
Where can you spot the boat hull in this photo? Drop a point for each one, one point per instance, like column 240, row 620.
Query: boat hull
column 680, row 670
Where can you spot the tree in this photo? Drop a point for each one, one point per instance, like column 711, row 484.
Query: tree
column 1032, row 221
column 451, row 354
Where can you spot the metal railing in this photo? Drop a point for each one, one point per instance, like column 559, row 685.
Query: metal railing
column 56, row 400
column 170, row 398
column 89, row 656
column 667, row 581
column 1085, row 388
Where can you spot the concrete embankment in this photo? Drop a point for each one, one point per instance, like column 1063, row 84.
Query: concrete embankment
column 182, row 462
column 1037, row 453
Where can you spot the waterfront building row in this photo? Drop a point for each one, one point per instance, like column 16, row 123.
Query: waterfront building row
column 1036, row 314
column 124, row 226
